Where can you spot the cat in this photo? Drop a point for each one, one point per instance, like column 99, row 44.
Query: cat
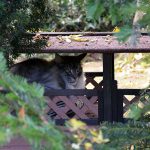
column 63, row 72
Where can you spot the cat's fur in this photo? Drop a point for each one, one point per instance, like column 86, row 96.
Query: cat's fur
column 64, row 72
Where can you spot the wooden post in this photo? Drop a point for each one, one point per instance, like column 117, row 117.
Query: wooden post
column 120, row 107
column 109, row 102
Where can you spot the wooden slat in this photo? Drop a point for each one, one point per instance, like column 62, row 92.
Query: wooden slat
column 95, row 44
column 70, row 104
column 59, row 111
column 75, row 33
column 135, row 99
column 129, row 91
column 75, row 92
column 93, row 74
column 93, row 99
column 89, row 105
column 129, row 102
column 85, row 109
column 93, row 82
column 74, row 108
column 126, row 101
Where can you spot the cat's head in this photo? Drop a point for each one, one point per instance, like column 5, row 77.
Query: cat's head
column 70, row 67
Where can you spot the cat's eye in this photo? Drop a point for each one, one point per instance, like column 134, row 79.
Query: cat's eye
column 69, row 73
column 78, row 72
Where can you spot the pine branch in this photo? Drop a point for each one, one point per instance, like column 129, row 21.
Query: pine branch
column 125, row 135
column 29, row 121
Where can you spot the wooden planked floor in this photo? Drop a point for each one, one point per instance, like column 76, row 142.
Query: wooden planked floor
column 17, row 144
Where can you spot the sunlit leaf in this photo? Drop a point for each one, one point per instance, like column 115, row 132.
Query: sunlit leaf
column 68, row 40
column 99, row 138
column 88, row 146
column 118, row 69
column 76, row 124
column 94, row 132
column 116, row 29
column 78, row 38
column 49, row 43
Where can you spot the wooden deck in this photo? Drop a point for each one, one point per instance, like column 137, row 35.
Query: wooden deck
column 17, row 144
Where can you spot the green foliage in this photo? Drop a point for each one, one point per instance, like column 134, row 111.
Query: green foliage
column 123, row 136
column 118, row 12
column 124, row 33
column 69, row 16
column 145, row 8
column 28, row 121
column 145, row 60
column 72, row 16
column 121, row 13
column 95, row 9
column 141, row 112
column 20, row 16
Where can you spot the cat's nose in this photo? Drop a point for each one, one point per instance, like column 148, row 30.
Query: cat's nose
column 72, row 80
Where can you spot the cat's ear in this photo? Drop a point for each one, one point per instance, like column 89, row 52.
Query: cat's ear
column 80, row 57
column 58, row 58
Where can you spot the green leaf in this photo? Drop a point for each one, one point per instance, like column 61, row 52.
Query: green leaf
column 95, row 9
column 135, row 112
column 124, row 34
column 5, row 135
column 4, row 109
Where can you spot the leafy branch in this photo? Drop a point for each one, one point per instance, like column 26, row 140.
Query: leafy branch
column 28, row 121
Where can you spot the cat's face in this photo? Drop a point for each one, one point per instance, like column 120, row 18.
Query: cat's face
column 70, row 67
column 72, row 73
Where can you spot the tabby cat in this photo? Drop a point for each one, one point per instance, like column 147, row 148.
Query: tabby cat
column 63, row 72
